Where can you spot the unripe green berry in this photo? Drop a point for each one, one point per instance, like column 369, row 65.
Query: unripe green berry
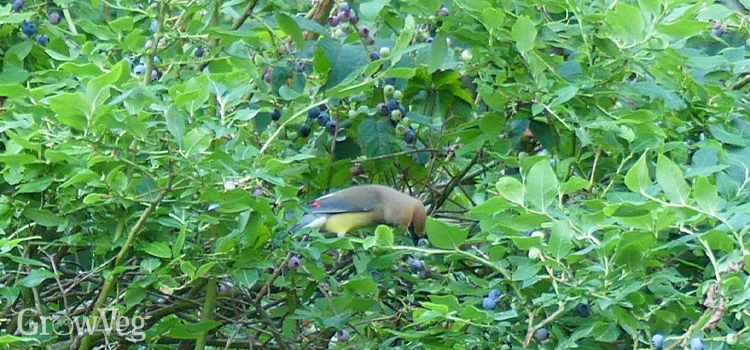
column 352, row 113
column 466, row 55
column 405, row 121
column 401, row 129
column 398, row 95
column 396, row 115
column 732, row 338
column 362, row 110
column 539, row 234
column 385, row 51
column 388, row 90
column 535, row 253
column 292, row 135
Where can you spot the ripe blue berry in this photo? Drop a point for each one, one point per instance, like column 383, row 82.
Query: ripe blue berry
column 415, row 264
column 429, row 40
column 583, row 310
column 342, row 335
column 304, row 130
column 410, row 137
column 313, row 113
column 140, row 69
column 293, row 263
column 542, row 334
column 390, row 81
column 374, row 55
column 323, row 119
column 28, row 28
column 331, row 126
column 383, row 109
column 696, row 343
column 364, row 32
column 153, row 26
column 276, row 114
column 299, row 66
column 345, row 7
column 393, row 104
column 200, row 51
column 657, row 340
column 494, row 294
column 334, row 21
column 354, row 19
column 16, row 5
column 54, row 18
column 488, row 303
column 42, row 39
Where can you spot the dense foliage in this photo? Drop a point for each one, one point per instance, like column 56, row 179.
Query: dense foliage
column 585, row 164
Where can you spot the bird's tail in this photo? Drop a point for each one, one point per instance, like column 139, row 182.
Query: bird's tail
column 309, row 220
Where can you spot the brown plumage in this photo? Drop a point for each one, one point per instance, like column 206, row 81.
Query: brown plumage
column 362, row 206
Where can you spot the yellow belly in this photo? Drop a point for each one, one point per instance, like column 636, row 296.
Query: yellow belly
column 340, row 224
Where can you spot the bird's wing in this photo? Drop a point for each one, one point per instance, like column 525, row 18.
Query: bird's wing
column 342, row 203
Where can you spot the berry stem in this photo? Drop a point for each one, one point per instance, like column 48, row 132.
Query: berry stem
column 68, row 18
column 157, row 37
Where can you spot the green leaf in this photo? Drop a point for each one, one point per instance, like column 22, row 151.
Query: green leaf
column 71, row 109
column 564, row 95
column 406, row 35
column 493, row 19
column 574, row 184
column 179, row 242
column 626, row 22
column 560, row 243
column 176, row 125
column 384, row 235
column 376, row 137
column 364, row 286
column 541, row 185
column 438, row 52
column 159, row 250
column 290, row 27
column 196, row 142
column 638, row 178
column 524, row 34
column 11, row 339
column 345, row 61
column 511, row 189
column 670, row 179
column 707, row 196
column 246, row 277
column 445, row 236
column 43, row 217
column 83, row 175
column 35, row 278
column 370, row 10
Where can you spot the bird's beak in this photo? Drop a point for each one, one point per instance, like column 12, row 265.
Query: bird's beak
column 413, row 234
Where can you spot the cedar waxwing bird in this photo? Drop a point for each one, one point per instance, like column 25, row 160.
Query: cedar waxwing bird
column 362, row 206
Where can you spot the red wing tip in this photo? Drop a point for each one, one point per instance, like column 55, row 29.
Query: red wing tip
column 315, row 204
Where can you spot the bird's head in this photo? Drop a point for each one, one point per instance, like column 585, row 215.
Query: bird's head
column 418, row 219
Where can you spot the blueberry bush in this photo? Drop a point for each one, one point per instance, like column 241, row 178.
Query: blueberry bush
column 585, row 165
